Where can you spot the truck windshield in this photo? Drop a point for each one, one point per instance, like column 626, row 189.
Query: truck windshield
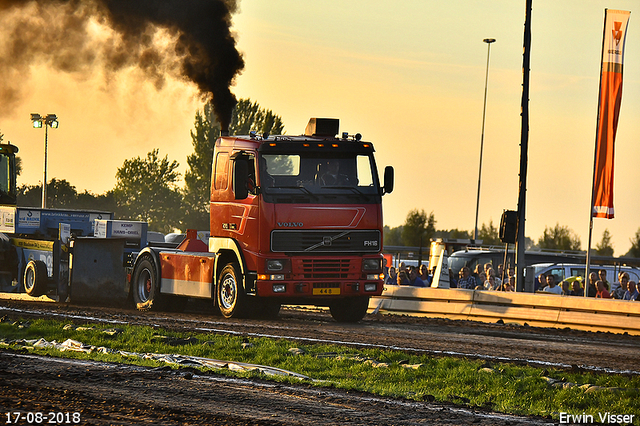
column 316, row 177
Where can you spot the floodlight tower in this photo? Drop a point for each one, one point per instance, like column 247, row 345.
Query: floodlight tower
column 50, row 120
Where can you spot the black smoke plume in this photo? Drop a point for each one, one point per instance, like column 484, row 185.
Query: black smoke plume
column 186, row 39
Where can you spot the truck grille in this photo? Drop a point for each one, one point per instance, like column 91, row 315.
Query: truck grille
column 323, row 268
column 298, row 241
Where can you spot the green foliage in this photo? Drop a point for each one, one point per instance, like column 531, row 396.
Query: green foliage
column 392, row 236
column 502, row 387
column 454, row 234
column 62, row 195
column 197, row 178
column 146, row 190
column 604, row 247
column 489, row 234
column 559, row 238
column 418, row 228
column 634, row 251
column 247, row 116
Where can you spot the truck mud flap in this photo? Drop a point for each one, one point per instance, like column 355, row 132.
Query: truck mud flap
column 97, row 271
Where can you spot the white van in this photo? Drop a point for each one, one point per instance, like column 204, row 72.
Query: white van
column 562, row 271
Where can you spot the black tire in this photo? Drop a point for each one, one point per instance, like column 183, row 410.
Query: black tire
column 35, row 278
column 230, row 292
column 352, row 309
column 146, row 286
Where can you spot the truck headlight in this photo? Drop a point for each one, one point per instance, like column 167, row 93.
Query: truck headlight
column 279, row 288
column 278, row 265
column 370, row 287
column 372, row 264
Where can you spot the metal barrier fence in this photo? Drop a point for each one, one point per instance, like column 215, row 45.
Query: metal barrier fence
column 539, row 310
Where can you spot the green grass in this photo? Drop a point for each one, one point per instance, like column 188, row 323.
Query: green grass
column 503, row 387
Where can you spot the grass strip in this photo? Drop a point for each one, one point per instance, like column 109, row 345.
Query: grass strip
column 502, row 387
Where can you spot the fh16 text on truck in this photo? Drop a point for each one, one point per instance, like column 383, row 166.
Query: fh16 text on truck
column 293, row 220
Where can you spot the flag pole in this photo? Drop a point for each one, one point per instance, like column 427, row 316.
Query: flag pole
column 595, row 159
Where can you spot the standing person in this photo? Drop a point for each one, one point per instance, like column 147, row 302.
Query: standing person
column 602, row 291
column 392, row 278
column 632, row 292
column 576, row 289
column 466, row 280
column 402, row 278
column 621, row 288
column 602, row 274
column 453, row 281
column 551, row 285
column 414, row 278
column 490, row 283
column 541, row 282
column 476, row 274
column 424, row 275
column 593, row 278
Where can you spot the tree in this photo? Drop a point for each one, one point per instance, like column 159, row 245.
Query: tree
column 604, row 247
column 418, row 228
column 392, row 236
column 29, row 196
column 197, row 178
column 489, row 234
column 634, row 251
column 247, row 116
column 146, row 190
column 559, row 238
column 61, row 194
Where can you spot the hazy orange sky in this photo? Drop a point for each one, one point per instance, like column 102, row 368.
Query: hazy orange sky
column 408, row 76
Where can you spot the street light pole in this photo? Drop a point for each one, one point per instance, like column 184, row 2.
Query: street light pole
column 51, row 120
column 484, row 111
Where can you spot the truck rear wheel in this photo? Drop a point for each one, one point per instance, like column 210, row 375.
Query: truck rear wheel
column 146, row 286
column 230, row 292
column 35, row 278
column 351, row 309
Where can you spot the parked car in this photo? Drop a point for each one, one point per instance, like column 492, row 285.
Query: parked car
column 562, row 271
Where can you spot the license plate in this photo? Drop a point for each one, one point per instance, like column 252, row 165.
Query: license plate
column 323, row 291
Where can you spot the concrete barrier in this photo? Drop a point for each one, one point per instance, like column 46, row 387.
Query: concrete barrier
column 540, row 310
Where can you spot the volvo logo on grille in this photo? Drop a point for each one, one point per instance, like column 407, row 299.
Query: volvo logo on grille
column 326, row 241
column 290, row 224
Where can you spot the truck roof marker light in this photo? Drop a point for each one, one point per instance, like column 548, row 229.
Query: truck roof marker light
column 334, row 145
column 366, row 145
column 272, row 144
column 320, row 145
column 306, row 145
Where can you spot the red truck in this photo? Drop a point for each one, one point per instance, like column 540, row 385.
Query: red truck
column 294, row 220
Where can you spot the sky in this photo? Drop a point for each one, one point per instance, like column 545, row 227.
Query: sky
column 409, row 76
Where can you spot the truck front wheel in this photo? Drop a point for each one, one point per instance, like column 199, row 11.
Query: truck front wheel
column 351, row 309
column 145, row 286
column 230, row 294
column 35, row 278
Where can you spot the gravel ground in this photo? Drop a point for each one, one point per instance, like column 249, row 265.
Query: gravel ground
column 104, row 393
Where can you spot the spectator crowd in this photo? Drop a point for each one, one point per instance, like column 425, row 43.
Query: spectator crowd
column 485, row 277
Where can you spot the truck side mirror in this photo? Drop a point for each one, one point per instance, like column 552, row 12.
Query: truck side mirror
column 240, row 177
column 388, row 180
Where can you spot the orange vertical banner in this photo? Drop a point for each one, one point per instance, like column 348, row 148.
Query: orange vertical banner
column 610, row 99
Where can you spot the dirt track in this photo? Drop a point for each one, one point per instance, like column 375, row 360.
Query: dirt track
column 114, row 394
